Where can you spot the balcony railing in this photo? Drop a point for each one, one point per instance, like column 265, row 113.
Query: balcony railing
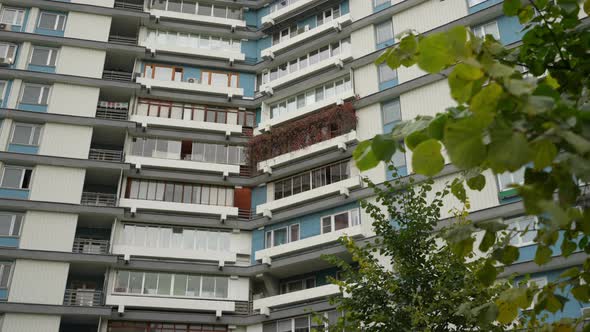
column 105, row 155
column 83, row 297
column 125, row 40
column 90, row 246
column 98, row 199
column 113, row 75
column 111, row 114
column 244, row 307
column 128, row 6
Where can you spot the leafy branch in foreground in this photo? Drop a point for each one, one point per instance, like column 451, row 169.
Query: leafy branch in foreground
column 517, row 107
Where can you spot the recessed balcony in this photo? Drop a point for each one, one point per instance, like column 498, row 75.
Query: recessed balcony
column 265, row 304
column 192, row 85
column 283, row 8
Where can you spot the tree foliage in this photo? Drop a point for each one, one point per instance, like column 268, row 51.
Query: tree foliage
column 524, row 105
column 409, row 279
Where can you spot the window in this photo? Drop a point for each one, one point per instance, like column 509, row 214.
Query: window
column 520, row 225
column 220, row 79
column 123, row 326
column 282, row 235
column 16, row 177
column 301, row 324
column 12, row 16
column 166, row 237
column 195, row 41
column 25, row 134
column 7, row 52
column 10, row 223
column 340, row 221
column 490, row 28
column 52, row 21
column 507, row 179
column 35, row 94
column 384, row 32
column 43, row 56
column 186, row 193
column 2, row 91
column 310, row 97
column 163, row 73
column 475, row 2
column 391, row 112
column 297, row 285
column 313, row 179
column 167, row 284
column 5, row 269
column 386, row 74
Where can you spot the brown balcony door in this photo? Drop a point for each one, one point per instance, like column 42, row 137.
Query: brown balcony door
column 243, row 201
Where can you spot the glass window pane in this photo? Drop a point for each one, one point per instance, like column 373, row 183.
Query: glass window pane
column 164, row 283
column 221, row 286
column 193, row 286
column 22, row 134
column 180, row 281
column 40, row 56
column 12, row 177
column 208, row 289
column 341, row 221
column 326, row 225
column 5, row 224
column 122, row 281
column 135, row 282
column 150, row 285
column 280, row 236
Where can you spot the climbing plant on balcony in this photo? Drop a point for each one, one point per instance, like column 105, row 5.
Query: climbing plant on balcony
column 522, row 107
column 320, row 126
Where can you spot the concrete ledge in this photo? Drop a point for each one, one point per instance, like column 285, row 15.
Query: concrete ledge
column 296, row 297
column 49, row 309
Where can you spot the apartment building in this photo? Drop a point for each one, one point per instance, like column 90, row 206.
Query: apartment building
column 127, row 199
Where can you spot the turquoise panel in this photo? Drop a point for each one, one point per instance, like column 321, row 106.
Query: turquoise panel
column 32, row 108
column 258, row 196
column 49, row 32
column 388, row 84
column 248, row 83
column 250, row 50
column 9, row 241
column 3, row 294
column 385, row 44
column 14, row 193
column 482, row 6
column 19, row 148
column 381, row 7
column 45, row 69
column 191, row 72
column 510, row 29
column 6, row 94
column 344, row 7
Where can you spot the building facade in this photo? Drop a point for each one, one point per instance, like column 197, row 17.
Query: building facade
column 127, row 200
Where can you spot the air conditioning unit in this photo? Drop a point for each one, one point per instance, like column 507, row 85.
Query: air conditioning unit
column 6, row 61
column 6, row 27
column 193, row 80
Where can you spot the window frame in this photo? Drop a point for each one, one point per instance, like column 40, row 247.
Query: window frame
column 289, row 234
column 9, row 46
column 481, row 29
column 35, row 128
column 302, row 281
column 343, row 163
column 13, row 219
column 56, row 25
column 350, row 213
column 4, row 84
column 52, row 51
column 22, row 176
column 380, row 73
column 389, row 23
column 377, row 3
column 154, row 66
column 540, row 282
column 43, row 87
column 505, row 186
column 2, row 268
column 23, row 12
column 229, row 75
column 516, row 222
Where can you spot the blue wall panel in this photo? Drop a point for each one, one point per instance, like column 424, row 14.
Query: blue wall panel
column 248, row 83
column 32, row 108
column 20, row 148
column 14, row 193
column 9, row 241
column 482, row 6
column 258, row 196
column 510, row 29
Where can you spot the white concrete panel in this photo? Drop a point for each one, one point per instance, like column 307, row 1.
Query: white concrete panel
column 80, row 62
column 24, row 52
column 429, row 15
column 437, row 95
column 479, row 200
column 73, row 100
column 241, row 243
column 360, row 8
column 14, row 92
column 239, row 289
column 5, row 127
column 88, row 26
column 13, row 322
column 29, row 287
column 65, row 140
column 363, row 41
column 406, row 74
column 32, row 20
column 57, row 184
column 101, row 3
column 369, row 125
column 257, row 327
column 366, row 81
column 48, row 231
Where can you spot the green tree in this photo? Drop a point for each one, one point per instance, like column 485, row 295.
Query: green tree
column 526, row 106
column 409, row 279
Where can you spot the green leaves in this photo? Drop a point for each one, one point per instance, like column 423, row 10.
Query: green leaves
column 487, row 274
column 440, row 50
column 508, row 150
column 383, row 147
column 477, row 182
column 511, row 7
column 587, row 7
column 427, row 158
column 543, row 255
column 464, row 142
column 509, row 302
column 364, row 157
column 486, row 100
column 465, row 81
column 544, row 151
column 526, row 14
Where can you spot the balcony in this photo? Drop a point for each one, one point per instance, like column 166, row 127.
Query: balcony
column 90, row 246
column 111, row 114
column 98, row 199
column 216, row 210
column 129, row 6
column 113, row 75
column 123, row 40
column 105, row 155
column 280, row 13
column 332, row 25
column 228, row 54
column 267, row 303
column 341, row 187
column 194, row 85
column 339, row 142
column 230, row 22
column 83, row 297
column 183, row 164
